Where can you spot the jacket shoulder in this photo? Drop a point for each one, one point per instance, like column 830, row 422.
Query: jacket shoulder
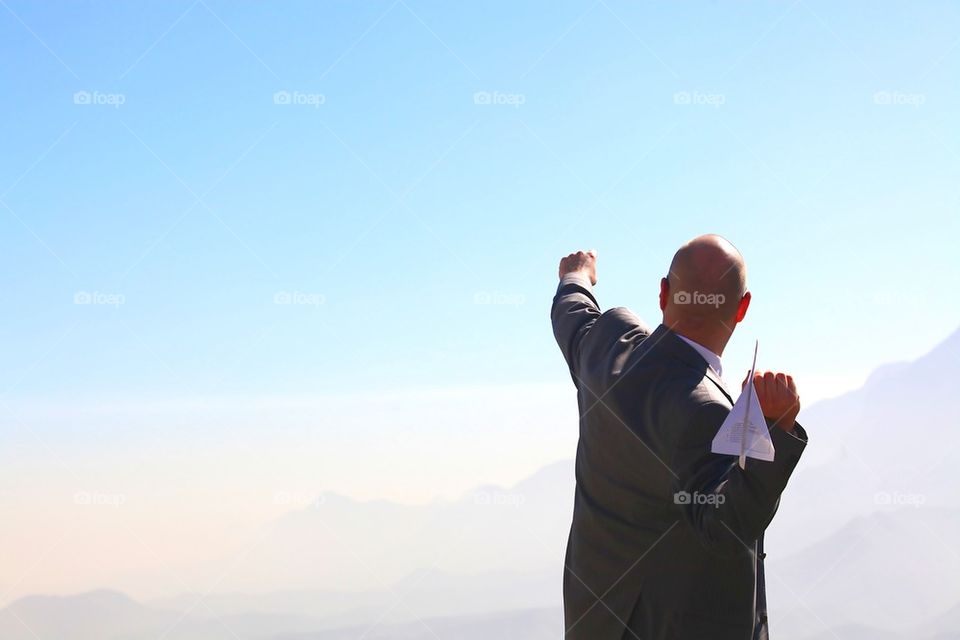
column 685, row 394
column 620, row 323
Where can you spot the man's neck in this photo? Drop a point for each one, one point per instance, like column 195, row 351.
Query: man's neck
column 714, row 343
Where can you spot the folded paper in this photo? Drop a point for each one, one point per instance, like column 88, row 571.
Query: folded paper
column 744, row 433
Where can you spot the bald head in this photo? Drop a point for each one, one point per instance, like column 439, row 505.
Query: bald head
column 706, row 287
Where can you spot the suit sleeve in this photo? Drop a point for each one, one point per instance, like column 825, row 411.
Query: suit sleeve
column 728, row 506
column 574, row 312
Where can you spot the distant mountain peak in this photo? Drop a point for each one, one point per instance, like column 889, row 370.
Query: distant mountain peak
column 103, row 597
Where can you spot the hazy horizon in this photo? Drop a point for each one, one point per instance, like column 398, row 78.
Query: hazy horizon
column 254, row 255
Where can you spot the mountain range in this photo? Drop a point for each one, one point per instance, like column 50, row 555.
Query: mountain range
column 864, row 546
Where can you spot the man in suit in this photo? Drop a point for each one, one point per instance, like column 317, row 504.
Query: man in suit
column 667, row 538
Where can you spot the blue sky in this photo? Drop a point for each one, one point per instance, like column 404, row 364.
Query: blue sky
column 390, row 202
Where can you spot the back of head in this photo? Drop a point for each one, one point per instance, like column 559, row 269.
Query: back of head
column 705, row 293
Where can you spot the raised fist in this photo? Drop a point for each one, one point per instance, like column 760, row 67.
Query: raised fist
column 778, row 397
column 584, row 262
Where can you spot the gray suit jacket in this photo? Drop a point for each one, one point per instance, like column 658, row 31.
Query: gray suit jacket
column 664, row 539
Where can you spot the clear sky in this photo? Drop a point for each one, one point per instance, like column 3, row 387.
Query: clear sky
column 329, row 231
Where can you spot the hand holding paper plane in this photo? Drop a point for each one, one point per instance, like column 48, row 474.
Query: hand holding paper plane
column 744, row 433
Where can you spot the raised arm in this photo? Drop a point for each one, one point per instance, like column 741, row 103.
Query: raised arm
column 575, row 308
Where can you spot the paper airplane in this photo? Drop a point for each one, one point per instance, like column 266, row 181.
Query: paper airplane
column 744, row 433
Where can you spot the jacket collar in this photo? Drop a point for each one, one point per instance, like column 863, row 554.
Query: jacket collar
column 667, row 342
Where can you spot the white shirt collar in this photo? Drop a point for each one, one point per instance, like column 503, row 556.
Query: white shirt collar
column 712, row 359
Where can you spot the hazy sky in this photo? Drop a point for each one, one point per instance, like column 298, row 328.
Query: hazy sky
column 311, row 246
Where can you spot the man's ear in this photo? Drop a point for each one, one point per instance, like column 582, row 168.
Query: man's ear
column 664, row 292
column 742, row 307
